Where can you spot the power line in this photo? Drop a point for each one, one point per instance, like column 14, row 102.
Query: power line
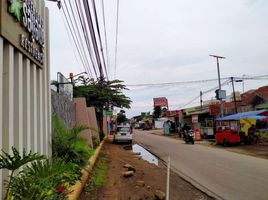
column 72, row 45
column 99, row 36
column 205, row 92
column 105, row 35
column 77, row 35
column 93, row 36
column 74, row 40
column 83, row 25
column 261, row 77
column 116, row 38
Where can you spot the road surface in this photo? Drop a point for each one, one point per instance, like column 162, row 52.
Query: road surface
column 224, row 174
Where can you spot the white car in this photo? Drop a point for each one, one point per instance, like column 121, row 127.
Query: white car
column 123, row 133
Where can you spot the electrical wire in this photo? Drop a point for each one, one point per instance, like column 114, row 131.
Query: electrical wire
column 99, row 36
column 105, row 35
column 116, row 39
column 77, row 35
column 205, row 92
column 74, row 40
column 93, row 36
column 86, row 34
column 83, row 25
column 72, row 45
column 261, row 77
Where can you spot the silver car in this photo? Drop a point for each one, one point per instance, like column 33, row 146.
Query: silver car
column 123, row 133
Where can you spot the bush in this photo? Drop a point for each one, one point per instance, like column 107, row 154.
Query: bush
column 47, row 180
column 66, row 143
column 264, row 135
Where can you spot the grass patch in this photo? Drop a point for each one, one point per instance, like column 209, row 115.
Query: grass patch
column 100, row 172
column 98, row 176
column 264, row 135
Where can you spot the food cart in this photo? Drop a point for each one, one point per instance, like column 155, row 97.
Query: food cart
column 207, row 128
column 233, row 129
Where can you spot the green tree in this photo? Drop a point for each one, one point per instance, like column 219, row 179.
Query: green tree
column 121, row 117
column 157, row 112
column 103, row 95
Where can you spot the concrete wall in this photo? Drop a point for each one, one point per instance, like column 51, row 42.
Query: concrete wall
column 25, row 116
column 64, row 108
column 82, row 118
column 93, row 122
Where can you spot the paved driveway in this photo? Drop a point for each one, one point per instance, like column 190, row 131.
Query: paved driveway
column 224, row 174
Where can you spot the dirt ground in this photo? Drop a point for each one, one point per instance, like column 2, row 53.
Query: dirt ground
column 118, row 187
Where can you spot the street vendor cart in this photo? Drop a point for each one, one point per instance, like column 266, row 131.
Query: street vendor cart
column 233, row 129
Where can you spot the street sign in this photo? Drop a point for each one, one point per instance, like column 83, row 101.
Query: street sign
column 108, row 112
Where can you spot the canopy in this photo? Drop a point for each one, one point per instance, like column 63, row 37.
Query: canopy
column 264, row 119
column 258, row 115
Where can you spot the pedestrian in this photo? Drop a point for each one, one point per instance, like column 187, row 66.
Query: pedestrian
column 166, row 128
column 251, row 130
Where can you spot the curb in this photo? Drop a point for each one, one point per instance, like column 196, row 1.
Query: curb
column 79, row 185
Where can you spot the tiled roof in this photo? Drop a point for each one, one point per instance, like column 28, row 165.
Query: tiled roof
column 248, row 96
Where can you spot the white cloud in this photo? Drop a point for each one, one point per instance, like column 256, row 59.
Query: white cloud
column 170, row 41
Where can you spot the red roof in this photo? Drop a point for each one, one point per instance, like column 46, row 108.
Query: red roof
column 248, row 96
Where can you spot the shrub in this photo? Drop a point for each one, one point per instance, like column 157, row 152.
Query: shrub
column 66, row 143
column 46, row 180
column 95, row 141
column 15, row 161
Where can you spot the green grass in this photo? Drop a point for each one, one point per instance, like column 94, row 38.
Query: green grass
column 98, row 176
column 100, row 172
column 264, row 135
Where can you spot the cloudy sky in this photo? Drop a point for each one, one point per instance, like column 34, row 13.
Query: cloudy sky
column 170, row 41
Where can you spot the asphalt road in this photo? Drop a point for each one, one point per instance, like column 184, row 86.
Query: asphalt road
column 219, row 172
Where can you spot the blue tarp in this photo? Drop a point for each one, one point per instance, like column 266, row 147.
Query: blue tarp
column 252, row 114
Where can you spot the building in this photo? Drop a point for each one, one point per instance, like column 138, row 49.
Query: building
column 25, row 116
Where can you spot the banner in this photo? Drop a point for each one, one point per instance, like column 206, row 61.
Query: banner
column 160, row 101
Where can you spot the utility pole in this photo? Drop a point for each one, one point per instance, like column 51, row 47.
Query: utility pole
column 201, row 101
column 219, row 78
column 244, row 83
column 232, row 79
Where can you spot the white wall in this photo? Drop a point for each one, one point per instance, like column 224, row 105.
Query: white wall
column 25, row 116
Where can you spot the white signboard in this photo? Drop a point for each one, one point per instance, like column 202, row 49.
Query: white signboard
column 65, row 86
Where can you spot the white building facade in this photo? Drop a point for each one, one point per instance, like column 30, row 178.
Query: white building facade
column 25, row 111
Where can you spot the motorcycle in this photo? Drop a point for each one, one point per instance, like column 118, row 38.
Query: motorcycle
column 189, row 136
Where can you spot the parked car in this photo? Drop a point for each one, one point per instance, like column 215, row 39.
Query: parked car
column 123, row 133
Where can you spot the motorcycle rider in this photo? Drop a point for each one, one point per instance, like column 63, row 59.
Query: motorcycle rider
column 185, row 130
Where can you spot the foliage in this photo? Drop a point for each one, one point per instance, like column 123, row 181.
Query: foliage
column 157, row 112
column 100, row 172
column 95, row 141
column 99, row 175
column 15, row 8
column 67, row 144
column 263, row 135
column 121, row 117
column 48, row 180
column 15, row 161
column 103, row 95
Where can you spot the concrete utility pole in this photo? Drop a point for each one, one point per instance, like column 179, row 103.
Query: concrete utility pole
column 234, row 97
column 219, row 77
column 201, row 101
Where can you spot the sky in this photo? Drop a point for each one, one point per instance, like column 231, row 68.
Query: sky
column 170, row 41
